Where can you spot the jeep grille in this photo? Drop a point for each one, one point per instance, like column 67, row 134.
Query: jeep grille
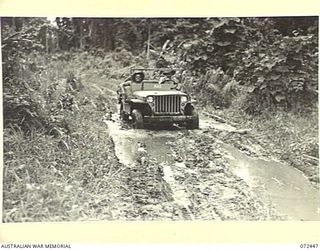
column 170, row 104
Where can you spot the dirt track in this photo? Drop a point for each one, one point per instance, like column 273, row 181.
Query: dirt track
column 218, row 172
column 179, row 174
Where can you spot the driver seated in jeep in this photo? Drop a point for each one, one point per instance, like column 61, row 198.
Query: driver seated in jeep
column 166, row 76
column 137, row 77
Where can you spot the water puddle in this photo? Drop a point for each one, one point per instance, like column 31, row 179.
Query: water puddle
column 280, row 186
column 129, row 143
column 286, row 188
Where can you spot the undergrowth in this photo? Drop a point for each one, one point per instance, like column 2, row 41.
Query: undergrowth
column 51, row 179
column 68, row 174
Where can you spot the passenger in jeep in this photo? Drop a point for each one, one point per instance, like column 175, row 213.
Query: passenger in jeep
column 166, row 76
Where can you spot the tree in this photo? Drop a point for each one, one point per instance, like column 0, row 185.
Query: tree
column 20, row 100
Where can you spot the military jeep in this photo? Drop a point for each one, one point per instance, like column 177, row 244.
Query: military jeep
column 155, row 100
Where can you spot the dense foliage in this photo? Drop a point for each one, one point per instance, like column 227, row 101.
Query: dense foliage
column 274, row 70
column 21, row 90
column 279, row 71
column 257, row 63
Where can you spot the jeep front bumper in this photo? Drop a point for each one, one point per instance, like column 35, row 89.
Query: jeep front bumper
column 180, row 118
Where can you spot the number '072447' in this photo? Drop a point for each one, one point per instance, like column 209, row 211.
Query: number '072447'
column 309, row 245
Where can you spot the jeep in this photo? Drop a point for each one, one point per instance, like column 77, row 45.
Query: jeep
column 155, row 100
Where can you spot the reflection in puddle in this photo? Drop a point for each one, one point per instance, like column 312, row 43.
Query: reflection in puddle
column 283, row 186
column 128, row 141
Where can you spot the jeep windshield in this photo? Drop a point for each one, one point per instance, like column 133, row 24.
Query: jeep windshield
column 160, row 79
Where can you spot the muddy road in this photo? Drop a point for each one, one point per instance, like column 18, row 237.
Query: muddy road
column 179, row 174
column 217, row 172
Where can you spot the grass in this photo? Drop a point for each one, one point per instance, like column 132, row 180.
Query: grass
column 69, row 176
column 54, row 179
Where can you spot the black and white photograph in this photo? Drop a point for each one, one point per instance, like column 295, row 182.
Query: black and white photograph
column 160, row 118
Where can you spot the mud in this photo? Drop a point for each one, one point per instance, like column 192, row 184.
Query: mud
column 285, row 187
column 179, row 174
column 218, row 172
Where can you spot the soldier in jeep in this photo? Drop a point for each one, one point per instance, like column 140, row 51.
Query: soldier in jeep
column 166, row 76
column 138, row 77
column 148, row 101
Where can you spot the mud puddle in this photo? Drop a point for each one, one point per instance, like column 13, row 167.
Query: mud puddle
column 133, row 146
column 282, row 186
column 129, row 142
column 279, row 185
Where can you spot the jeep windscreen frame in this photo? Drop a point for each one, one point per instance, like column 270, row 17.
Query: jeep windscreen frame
column 133, row 70
column 148, row 85
column 158, row 87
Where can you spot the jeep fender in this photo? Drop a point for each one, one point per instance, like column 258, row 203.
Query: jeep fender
column 188, row 108
column 136, row 101
column 129, row 103
column 137, row 104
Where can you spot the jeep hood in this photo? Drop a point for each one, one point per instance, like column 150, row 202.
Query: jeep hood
column 157, row 93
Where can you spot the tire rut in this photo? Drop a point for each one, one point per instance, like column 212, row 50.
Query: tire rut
column 216, row 193
column 153, row 197
column 195, row 183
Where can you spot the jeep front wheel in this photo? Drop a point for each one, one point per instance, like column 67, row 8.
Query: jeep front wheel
column 194, row 123
column 137, row 119
column 123, row 115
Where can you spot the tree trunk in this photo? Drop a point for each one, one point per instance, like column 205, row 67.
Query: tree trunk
column 148, row 45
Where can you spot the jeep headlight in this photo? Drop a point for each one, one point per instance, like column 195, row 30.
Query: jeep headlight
column 150, row 99
column 184, row 99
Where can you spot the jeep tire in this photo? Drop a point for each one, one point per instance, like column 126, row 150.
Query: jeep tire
column 137, row 119
column 123, row 115
column 194, row 123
